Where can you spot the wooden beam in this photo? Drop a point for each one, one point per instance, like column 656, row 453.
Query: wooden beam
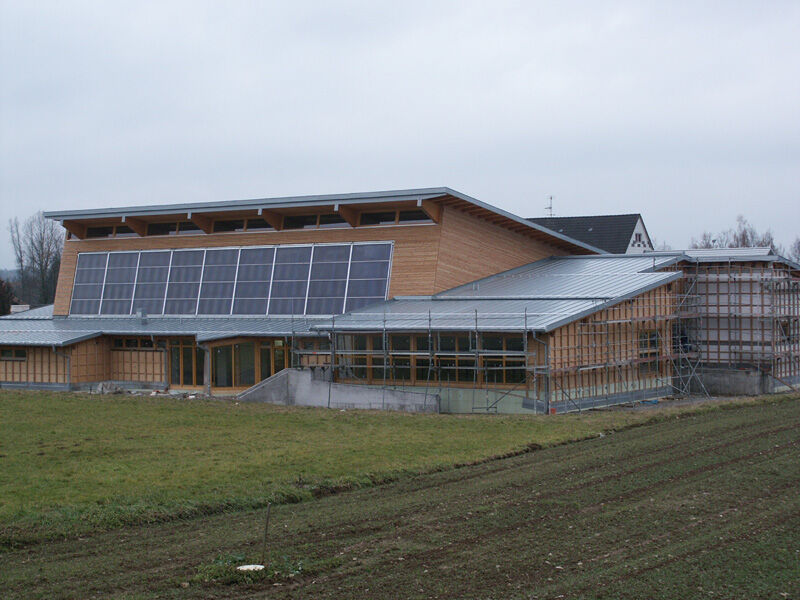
column 202, row 221
column 137, row 225
column 76, row 229
column 348, row 213
column 273, row 219
column 432, row 209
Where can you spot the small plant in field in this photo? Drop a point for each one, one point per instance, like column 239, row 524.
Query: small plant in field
column 223, row 570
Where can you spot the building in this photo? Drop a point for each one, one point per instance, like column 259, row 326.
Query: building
column 615, row 234
column 421, row 298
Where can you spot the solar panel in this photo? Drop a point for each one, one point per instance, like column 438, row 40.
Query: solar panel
column 278, row 280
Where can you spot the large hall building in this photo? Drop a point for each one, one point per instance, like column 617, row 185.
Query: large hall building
column 422, row 299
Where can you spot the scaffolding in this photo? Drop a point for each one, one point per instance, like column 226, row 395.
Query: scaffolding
column 651, row 346
column 745, row 316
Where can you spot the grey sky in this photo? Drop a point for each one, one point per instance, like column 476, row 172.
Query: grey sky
column 686, row 112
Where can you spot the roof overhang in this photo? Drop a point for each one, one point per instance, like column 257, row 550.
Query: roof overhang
column 422, row 197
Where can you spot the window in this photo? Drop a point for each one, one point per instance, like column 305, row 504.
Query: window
column 446, row 358
column 234, row 365
column 378, row 218
column 13, row 354
column 162, row 228
column 649, row 351
column 413, row 216
column 300, row 222
column 99, row 232
column 313, row 279
column 227, row 226
column 258, row 225
column 332, row 221
column 188, row 228
column 186, row 363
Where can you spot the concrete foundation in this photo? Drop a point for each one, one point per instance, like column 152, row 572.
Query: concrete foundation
column 734, row 382
column 307, row 387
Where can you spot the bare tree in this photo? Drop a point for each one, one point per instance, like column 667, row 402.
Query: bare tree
column 37, row 244
column 7, row 297
column 706, row 240
column 744, row 235
column 794, row 250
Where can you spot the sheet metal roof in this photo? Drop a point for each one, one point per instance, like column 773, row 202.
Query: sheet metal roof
column 42, row 312
column 541, row 296
column 69, row 330
column 309, row 201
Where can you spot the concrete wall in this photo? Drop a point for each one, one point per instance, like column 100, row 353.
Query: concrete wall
column 741, row 382
column 310, row 387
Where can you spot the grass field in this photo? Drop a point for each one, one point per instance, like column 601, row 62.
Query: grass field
column 701, row 504
column 74, row 463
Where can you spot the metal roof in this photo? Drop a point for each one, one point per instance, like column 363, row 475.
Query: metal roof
column 41, row 312
column 539, row 297
column 307, row 201
column 555, row 276
column 69, row 330
column 724, row 253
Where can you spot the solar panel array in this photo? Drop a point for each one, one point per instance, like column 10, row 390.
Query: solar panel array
column 314, row 279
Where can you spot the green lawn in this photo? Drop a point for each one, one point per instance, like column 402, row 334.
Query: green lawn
column 73, row 463
column 701, row 506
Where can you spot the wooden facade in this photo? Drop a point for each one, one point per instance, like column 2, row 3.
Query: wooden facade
column 625, row 348
column 39, row 365
column 427, row 258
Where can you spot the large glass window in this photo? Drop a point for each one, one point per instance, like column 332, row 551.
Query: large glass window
column 284, row 280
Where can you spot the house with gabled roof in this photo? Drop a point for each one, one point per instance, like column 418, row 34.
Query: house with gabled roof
column 615, row 234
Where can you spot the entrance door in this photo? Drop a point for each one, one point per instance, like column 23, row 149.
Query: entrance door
column 273, row 355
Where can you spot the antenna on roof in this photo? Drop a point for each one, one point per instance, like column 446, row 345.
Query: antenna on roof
column 549, row 207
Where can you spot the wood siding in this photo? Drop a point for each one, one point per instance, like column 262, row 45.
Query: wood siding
column 41, row 365
column 91, row 361
column 603, row 353
column 138, row 365
column 471, row 248
column 427, row 258
column 413, row 265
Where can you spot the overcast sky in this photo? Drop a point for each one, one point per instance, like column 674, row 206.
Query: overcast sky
column 686, row 112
